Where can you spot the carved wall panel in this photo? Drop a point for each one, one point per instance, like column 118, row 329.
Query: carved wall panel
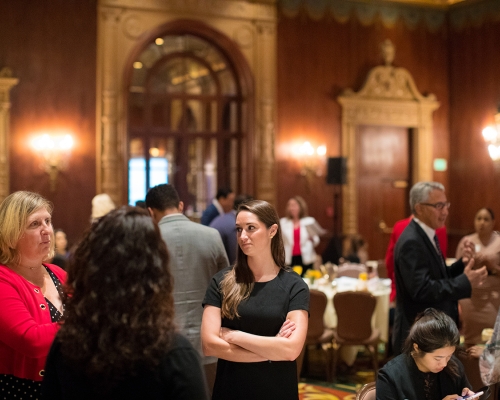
column 389, row 97
column 123, row 25
column 6, row 83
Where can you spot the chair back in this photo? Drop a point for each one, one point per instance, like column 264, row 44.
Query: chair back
column 317, row 306
column 351, row 270
column 367, row 392
column 354, row 314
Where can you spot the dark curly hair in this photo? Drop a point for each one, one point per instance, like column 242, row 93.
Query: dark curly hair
column 119, row 308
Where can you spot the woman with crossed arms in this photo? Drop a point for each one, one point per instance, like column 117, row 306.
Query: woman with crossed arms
column 256, row 313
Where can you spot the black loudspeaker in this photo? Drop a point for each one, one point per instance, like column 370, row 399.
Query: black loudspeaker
column 337, row 171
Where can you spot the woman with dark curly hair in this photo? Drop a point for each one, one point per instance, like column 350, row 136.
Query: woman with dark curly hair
column 256, row 313
column 118, row 338
column 427, row 369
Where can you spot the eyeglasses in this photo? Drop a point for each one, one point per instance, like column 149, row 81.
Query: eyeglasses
column 438, row 206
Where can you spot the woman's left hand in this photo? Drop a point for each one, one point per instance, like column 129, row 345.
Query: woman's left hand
column 226, row 334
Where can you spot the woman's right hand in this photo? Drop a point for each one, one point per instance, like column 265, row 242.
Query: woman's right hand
column 465, row 392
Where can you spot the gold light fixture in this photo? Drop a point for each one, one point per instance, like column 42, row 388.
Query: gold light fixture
column 491, row 135
column 310, row 158
column 54, row 151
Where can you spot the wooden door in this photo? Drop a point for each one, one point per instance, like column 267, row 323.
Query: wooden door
column 383, row 165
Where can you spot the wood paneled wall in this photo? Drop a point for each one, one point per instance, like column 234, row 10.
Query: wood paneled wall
column 475, row 96
column 319, row 59
column 50, row 45
column 51, row 48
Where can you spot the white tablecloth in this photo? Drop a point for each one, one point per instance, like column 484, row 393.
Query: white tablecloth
column 381, row 291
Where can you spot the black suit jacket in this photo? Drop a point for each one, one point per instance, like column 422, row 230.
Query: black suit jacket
column 422, row 282
column 400, row 379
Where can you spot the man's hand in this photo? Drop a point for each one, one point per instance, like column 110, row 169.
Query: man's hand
column 469, row 251
column 476, row 276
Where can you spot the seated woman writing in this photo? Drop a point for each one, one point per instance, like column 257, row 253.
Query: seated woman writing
column 428, row 368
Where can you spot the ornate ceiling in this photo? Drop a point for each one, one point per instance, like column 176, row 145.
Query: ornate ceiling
column 433, row 3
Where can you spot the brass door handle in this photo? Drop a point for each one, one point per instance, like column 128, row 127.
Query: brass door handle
column 383, row 227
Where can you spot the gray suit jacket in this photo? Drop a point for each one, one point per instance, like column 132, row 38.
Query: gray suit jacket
column 196, row 254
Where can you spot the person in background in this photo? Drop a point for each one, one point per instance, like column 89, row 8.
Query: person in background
column 197, row 253
column 225, row 224
column 422, row 278
column 397, row 230
column 141, row 204
column 300, row 235
column 101, row 205
column 486, row 240
column 427, row 369
column 61, row 250
column 480, row 311
column 357, row 249
column 119, row 339
column 223, row 203
column 30, row 293
column 256, row 313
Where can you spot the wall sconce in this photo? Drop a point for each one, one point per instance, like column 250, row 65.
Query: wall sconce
column 53, row 151
column 310, row 159
column 491, row 135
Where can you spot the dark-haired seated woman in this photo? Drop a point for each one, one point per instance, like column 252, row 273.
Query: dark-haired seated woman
column 118, row 339
column 427, row 369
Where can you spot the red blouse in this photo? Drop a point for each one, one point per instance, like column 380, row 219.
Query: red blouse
column 296, row 241
column 26, row 330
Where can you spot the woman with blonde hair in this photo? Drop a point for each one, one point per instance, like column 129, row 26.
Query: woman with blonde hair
column 300, row 235
column 30, row 293
column 256, row 313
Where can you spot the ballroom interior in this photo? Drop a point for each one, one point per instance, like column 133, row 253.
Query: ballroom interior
column 346, row 103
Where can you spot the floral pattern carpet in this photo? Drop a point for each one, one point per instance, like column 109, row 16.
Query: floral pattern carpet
column 310, row 391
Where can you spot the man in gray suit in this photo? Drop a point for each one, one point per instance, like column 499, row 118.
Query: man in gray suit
column 196, row 254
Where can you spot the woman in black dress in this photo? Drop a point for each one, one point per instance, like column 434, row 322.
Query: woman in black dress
column 256, row 313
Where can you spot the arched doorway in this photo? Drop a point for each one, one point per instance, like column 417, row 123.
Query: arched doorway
column 246, row 36
column 186, row 119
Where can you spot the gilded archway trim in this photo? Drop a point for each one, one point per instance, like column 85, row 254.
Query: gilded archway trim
column 124, row 24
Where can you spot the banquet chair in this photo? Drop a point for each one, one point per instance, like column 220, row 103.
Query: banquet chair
column 367, row 392
column 351, row 270
column 354, row 324
column 317, row 333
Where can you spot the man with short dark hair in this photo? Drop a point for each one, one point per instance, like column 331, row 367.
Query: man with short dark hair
column 196, row 254
column 223, row 203
column 226, row 225
column 422, row 278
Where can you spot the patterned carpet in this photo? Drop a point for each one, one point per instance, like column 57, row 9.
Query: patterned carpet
column 309, row 391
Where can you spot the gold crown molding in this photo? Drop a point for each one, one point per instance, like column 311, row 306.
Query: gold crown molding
column 255, row 10
column 389, row 97
column 431, row 13
column 6, row 84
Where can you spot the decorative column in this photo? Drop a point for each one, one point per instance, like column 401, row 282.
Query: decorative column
column 109, row 176
column 265, row 96
column 6, row 83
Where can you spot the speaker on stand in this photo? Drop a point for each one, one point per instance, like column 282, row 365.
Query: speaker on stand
column 337, row 176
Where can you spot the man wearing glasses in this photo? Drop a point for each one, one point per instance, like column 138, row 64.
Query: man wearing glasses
column 422, row 278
